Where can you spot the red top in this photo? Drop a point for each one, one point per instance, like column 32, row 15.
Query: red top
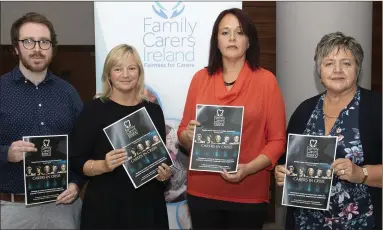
column 263, row 130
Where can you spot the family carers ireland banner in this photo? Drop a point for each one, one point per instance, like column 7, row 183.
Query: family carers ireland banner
column 173, row 40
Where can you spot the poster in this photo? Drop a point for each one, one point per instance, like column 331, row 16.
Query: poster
column 146, row 150
column 45, row 171
column 308, row 158
column 217, row 141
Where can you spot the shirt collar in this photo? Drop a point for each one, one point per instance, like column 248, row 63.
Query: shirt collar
column 17, row 75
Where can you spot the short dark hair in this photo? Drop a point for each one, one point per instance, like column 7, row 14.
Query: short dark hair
column 248, row 28
column 35, row 18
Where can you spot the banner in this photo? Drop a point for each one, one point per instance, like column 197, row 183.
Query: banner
column 173, row 41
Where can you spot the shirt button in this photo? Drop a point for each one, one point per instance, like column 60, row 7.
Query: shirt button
column 37, row 87
column 39, row 105
column 26, row 81
column 42, row 123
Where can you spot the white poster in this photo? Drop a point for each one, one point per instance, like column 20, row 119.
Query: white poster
column 173, row 41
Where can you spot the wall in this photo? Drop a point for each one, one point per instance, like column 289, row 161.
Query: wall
column 74, row 61
column 73, row 21
column 264, row 18
column 263, row 15
column 376, row 68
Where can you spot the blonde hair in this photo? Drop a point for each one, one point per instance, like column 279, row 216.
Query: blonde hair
column 117, row 54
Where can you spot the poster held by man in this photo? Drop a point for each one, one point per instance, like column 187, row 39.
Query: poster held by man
column 45, row 171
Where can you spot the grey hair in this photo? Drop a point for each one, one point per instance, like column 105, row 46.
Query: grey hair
column 338, row 40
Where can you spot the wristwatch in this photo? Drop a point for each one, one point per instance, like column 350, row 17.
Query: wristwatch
column 365, row 172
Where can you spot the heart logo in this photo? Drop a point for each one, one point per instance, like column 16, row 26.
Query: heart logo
column 219, row 112
column 127, row 123
column 168, row 10
column 313, row 143
column 46, row 142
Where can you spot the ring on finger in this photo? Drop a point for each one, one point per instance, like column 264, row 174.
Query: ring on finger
column 342, row 172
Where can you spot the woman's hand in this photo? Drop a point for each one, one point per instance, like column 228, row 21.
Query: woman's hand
column 115, row 158
column 237, row 177
column 279, row 173
column 346, row 170
column 164, row 172
column 69, row 195
column 190, row 129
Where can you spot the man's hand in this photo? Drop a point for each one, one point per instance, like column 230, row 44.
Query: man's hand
column 17, row 149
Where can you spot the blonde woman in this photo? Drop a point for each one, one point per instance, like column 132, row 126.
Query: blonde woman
column 111, row 201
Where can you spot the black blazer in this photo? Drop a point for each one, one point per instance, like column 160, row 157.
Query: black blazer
column 370, row 129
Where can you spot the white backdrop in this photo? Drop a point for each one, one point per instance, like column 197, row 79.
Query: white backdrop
column 173, row 41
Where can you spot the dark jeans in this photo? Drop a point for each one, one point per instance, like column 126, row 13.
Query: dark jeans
column 216, row 214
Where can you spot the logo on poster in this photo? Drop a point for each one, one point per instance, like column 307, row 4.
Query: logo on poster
column 127, row 123
column 168, row 39
column 312, row 149
column 219, row 119
column 129, row 129
column 46, row 149
column 219, row 112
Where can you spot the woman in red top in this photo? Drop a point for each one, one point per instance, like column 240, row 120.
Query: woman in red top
column 234, row 78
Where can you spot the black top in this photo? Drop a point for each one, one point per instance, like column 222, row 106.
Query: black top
column 111, row 201
column 370, row 128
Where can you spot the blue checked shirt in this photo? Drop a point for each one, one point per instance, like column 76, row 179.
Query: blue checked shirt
column 29, row 110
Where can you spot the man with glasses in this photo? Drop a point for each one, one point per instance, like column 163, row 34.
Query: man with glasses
column 34, row 102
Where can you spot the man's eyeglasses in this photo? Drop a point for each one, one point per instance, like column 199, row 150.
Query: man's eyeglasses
column 30, row 44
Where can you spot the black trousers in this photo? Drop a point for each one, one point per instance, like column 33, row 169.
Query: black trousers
column 216, row 214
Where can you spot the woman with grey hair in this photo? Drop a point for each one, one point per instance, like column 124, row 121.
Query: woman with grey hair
column 354, row 115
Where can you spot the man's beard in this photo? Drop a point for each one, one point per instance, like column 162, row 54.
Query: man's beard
column 26, row 62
